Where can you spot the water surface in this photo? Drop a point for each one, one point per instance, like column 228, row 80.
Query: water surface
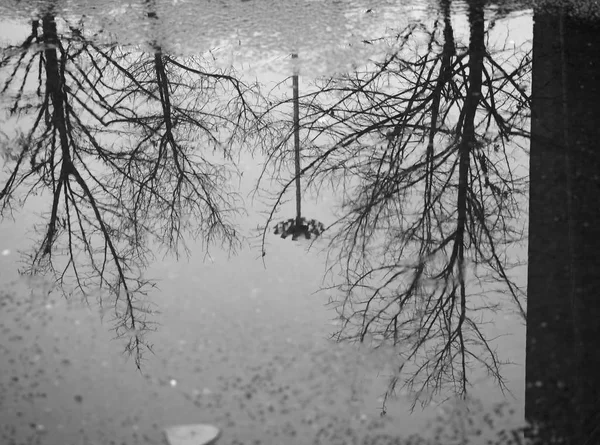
column 242, row 339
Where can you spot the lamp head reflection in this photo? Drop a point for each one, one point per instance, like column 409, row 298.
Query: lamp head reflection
column 297, row 227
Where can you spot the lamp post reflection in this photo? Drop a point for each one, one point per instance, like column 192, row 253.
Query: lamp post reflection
column 298, row 226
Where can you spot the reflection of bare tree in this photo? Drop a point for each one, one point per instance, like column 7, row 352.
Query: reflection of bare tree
column 133, row 150
column 421, row 152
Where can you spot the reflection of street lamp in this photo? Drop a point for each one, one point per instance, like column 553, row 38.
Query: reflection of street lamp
column 299, row 225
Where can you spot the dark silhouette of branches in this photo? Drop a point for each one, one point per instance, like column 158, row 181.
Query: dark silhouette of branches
column 133, row 149
column 421, row 147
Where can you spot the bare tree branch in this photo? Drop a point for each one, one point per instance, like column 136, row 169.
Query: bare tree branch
column 420, row 147
column 133, row 149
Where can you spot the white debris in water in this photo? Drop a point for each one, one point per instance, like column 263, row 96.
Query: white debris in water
column 173, row 383
column 6, row 252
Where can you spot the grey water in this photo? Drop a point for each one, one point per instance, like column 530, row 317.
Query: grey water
column 242, row 338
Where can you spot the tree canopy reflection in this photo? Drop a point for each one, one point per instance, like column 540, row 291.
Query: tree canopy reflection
column 421, row 146
column 131, row 149
column 136, row 148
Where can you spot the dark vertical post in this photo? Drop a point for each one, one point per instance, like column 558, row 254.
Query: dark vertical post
column 297, row 141
column 549, row 354
column 582, row 103
column 563, row 307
